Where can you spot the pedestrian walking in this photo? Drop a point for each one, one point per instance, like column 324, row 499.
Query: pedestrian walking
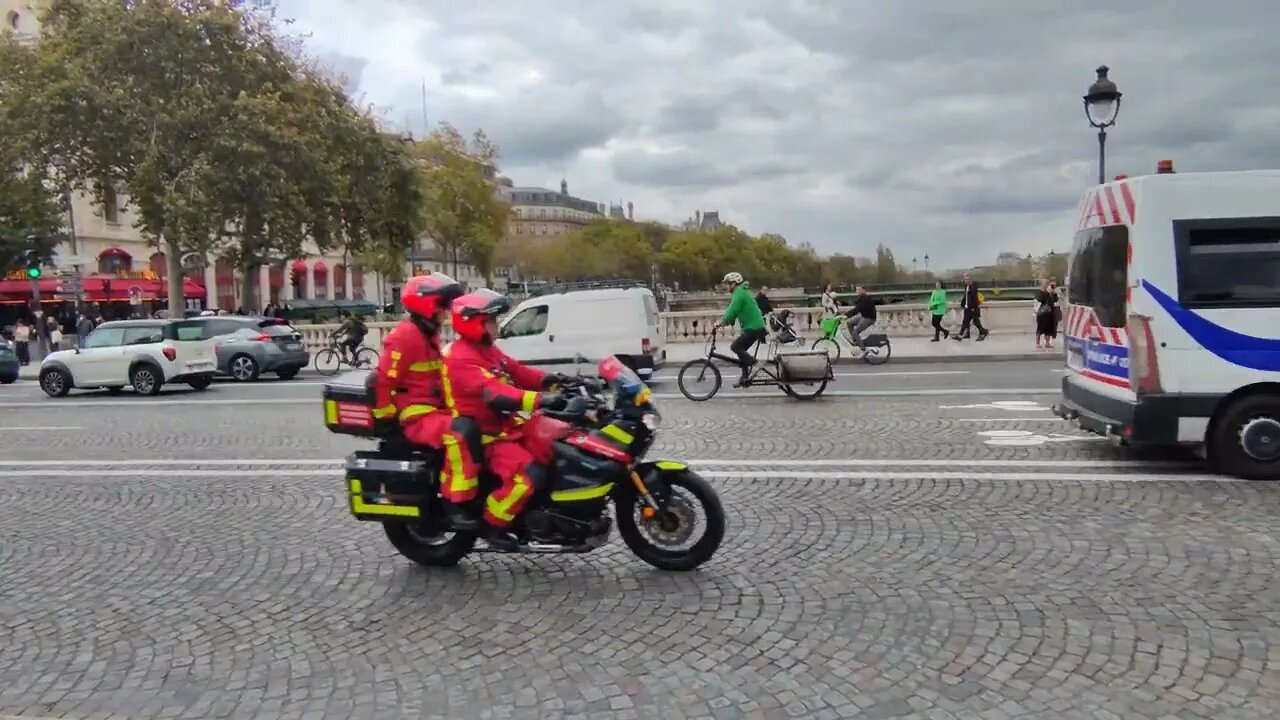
column 971, row 309
column 938, row 310
column 763, row 302
column 22, row 342
column 84, row 326
column 830, row 302
column 1046, row 318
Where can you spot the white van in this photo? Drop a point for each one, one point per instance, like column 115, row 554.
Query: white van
column 553, row 328
column 1173, row 318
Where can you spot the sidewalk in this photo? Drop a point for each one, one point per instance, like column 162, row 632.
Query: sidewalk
column 997, row 347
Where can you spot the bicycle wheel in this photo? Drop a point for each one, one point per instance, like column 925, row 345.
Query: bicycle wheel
column 878, row 355
column 328, row 362
column 805, row 392
column 830, row 346
column 700, row 373
column 366, row 358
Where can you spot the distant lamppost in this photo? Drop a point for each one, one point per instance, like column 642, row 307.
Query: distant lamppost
column 1101, row 106
column 926, row 262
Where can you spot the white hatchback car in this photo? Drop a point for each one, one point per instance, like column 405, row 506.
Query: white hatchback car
column 144, row 354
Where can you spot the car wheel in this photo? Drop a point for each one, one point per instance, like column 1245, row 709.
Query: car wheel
column 289, row 374
column 146, row 380
column 8, row 380
column 243, row 368
column 55, row 382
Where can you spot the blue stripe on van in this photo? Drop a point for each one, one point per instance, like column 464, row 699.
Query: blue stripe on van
column 1236, row 348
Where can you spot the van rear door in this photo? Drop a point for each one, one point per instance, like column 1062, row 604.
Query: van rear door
column 655, row 331
column 1097, row 343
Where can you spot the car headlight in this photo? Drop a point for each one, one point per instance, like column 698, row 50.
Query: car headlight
column 651, row 420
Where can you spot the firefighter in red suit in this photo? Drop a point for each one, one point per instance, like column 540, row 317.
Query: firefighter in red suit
column 483, row 383
column 410, row 391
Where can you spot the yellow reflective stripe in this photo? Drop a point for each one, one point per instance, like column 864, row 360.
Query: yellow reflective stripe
column 456, row 473
column 447, row 388
column 395, row 355
column 492, row 438
column 413, row 411
column 501, row 509
column 671, row 465
column 589, row 493
column 529, row 402
column 394, row 370
column 360, row 507
column 643, row 396
column 384, row 412
column 425, row 366
column 330, row 412
column 613, row 432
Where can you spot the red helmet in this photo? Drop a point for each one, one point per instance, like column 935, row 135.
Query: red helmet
column 424, row 295
column 472, row 310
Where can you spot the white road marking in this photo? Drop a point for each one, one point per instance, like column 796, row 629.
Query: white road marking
column 930, row 392
column 705, row 462
column 864, row 374
column 1007, row 419
column 715, row 474
column 40, row 427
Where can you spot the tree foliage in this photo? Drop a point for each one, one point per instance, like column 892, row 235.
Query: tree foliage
column 222, row 137
column 462, row 214
column 31, row 214
column 691, row 259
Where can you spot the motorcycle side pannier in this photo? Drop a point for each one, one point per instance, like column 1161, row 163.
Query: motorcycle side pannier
column 348, row 403
column 381, row 488
column 804, row 367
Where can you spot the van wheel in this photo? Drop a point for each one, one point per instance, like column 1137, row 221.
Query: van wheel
column 1245, row 441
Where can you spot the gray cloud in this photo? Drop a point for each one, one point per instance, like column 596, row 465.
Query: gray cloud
column 954, row 130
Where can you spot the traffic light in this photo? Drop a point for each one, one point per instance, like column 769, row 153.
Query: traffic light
column 34, row 265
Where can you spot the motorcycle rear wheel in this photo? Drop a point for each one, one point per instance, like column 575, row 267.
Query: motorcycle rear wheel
column 412, row 541
column 675, row 560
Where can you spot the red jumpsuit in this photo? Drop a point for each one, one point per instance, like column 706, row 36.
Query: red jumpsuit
column 476, row 375
column 410, row 389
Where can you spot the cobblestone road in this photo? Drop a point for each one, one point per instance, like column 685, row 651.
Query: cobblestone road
column 908, row 570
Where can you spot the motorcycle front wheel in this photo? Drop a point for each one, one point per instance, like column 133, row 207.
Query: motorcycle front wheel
column 419, row 544
column 667, row 541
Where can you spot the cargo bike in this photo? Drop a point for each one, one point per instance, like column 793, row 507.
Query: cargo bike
column 799, row 373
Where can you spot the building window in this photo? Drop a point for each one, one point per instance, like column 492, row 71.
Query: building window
column 542, row 213
column 12, row 20
column 110, row 205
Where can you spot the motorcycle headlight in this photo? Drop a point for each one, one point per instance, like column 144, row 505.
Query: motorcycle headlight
column 651, row 420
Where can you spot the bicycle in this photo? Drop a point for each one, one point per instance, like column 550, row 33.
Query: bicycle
column 789, row 372
column 876, row 352
column 331, row 359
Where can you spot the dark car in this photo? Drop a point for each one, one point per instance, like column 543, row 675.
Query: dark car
column 8, row 363
column 249, row 346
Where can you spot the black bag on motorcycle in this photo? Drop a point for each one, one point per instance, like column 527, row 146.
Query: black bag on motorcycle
column 348, row 403
column 383, row 488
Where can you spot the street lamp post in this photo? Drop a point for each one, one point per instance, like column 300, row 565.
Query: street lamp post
column 1101, row 106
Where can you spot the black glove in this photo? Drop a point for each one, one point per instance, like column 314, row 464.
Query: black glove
column 555, row 380
column 552, row 401
column 385, row 427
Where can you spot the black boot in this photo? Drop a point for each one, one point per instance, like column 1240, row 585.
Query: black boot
column 502, row 539
column 459, row 517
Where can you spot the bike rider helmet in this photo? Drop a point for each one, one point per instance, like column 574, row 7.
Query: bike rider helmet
column 732, row 278
column 471, row 311
column 425, row 295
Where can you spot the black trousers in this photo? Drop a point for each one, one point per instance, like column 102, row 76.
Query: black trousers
column 937, row 327
column 743, row 344
column 974, row 316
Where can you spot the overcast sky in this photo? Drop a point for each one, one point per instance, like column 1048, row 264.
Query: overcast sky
column 953, row 129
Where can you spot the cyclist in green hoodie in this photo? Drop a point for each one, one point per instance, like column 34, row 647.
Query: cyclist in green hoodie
column 744, row 310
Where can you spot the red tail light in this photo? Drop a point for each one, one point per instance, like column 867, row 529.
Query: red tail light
column 170, row 354
column 645, row 346
column 1144, row 368
column 262, row 338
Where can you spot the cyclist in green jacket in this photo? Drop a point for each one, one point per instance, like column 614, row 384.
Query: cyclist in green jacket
column 743, row 310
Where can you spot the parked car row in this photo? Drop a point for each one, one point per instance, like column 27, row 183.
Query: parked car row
column 148, row 354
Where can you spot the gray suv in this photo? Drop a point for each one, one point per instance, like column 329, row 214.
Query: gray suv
column 250, row 346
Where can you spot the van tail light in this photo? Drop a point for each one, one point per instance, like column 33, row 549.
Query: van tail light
column 1144, row 368
column 170, row 354
column 645, row 346
column 262, row 338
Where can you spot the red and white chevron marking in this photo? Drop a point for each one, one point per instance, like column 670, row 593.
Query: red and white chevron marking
column 1110, row 204
column 1080, row 321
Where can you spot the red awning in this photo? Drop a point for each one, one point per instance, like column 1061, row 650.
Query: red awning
column 320, row 267
column 300, row 266
column 114, row 251
column 95, row 289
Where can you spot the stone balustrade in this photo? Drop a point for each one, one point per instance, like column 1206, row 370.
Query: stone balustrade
column 896, row 320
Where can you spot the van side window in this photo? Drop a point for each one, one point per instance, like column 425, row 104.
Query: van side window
column 1228, row 266
column 530, row 321
column 1099, row 273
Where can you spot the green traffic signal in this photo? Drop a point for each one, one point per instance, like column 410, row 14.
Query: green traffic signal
column 34, row 273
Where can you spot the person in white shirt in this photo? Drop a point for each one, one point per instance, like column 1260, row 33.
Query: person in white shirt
column 830, row 302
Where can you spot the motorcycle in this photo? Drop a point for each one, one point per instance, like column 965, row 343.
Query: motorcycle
column 594, row 453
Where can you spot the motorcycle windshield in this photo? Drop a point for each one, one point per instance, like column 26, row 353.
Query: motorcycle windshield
column 622, row 380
